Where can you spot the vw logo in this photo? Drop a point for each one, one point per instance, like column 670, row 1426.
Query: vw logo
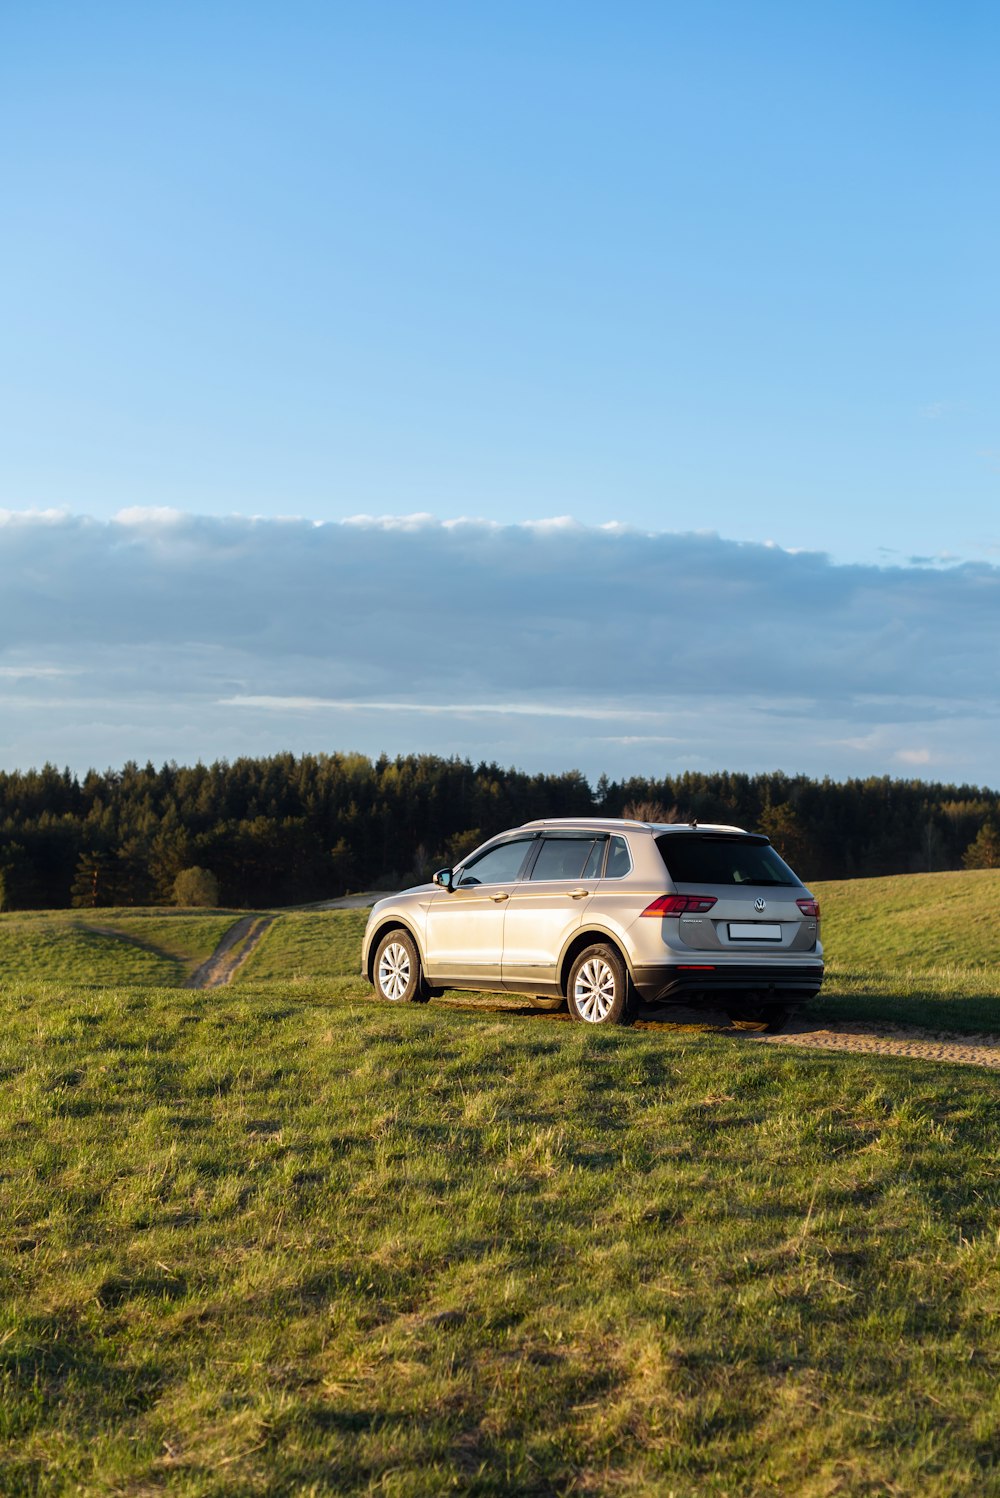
column 760, row 904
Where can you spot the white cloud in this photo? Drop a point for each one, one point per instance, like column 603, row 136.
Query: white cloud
column 641, row 738
column 415, row 522
column 521, row 642
column 25, row 518
column 31, row 673
column 584, row 711
column 152, row 516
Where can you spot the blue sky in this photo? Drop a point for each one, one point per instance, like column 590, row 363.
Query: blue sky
column 722, row 269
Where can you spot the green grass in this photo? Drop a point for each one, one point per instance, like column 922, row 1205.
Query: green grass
column 189, row 936
column 308, row 945
column 918, row 949
column 256, row 1243
column 952, row 999
column 109, row 946
column 917, row 921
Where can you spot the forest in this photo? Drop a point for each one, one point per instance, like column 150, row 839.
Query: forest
column 287, row 830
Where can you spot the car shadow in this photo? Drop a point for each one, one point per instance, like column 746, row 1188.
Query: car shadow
column 701, row 1018
column 838, row 1032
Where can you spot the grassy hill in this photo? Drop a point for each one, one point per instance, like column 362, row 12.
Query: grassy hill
column 918, row 948
column 101, row 947
column 306, row 945
column 920, row 921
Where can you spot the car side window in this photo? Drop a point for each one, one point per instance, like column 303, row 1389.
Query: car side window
column 563, row 858
column 619, row 859
column 497, row 865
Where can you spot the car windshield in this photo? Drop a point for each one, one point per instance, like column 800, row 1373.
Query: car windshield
column 722, row 860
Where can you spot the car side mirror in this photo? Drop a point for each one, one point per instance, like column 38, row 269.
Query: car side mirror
column 444, row 877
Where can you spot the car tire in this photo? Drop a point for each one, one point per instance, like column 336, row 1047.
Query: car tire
column 598, row 991
column 398, row 977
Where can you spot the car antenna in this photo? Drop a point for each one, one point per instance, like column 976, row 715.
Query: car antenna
column 693, row 822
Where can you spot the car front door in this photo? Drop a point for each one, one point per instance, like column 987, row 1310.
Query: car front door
column 464, row 932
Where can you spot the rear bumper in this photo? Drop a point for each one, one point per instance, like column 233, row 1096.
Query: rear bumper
column 685, row 980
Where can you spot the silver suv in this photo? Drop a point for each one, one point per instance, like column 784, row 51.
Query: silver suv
column 603, row 914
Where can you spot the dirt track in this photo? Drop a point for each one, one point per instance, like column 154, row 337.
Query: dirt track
column 891, row 1040
column 231, row 953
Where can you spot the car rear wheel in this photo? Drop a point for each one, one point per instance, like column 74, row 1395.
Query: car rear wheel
column 598, row 988
column 397, row 970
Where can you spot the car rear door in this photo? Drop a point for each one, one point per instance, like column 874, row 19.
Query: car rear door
column 546, row 906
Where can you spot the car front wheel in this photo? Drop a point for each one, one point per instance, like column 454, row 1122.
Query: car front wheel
column 397, row 970
column 598, row 989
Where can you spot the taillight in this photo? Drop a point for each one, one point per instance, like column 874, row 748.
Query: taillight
column 809, row 907
column 680, row 905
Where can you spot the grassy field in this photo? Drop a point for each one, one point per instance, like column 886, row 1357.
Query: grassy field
column 306, row 945
column 266, row 1241
column 917, row 949
column 109, row 946
column 919, row 921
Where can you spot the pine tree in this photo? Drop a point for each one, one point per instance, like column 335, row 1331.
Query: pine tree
column 781, row 824
column 92, row 882
column 984, row 850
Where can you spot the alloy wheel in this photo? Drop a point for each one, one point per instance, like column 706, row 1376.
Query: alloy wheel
column 594, row 990
column 394, row 971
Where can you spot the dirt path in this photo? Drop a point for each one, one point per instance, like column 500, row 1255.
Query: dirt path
column 231, row 953
column 890, row 1040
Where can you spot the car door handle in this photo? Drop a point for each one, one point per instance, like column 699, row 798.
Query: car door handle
column 577, row 894
column 502, row 896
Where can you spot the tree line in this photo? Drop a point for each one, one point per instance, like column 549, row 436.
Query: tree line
column 287, row 830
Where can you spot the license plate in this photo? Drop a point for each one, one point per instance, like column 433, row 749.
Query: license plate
column 753, row 931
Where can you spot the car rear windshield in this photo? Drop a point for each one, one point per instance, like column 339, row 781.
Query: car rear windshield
column 722, row 860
